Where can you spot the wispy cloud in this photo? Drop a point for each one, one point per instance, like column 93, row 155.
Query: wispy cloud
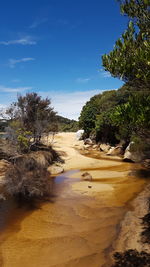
column 12, row 62
column 26, row 40
column 83, row 80
column 104, row 74
column 5, row 89
column 37, row 23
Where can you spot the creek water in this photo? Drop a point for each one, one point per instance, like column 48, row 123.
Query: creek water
column 73, row 229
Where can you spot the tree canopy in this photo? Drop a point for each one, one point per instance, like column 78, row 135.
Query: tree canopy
column 30, row 118
column 130, row 58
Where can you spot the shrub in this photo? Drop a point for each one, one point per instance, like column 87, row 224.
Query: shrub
column 28, row 180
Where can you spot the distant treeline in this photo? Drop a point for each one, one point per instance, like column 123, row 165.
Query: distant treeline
column 63, row 124
column 66, row 125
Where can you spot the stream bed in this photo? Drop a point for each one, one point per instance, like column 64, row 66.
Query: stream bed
column 72, row 229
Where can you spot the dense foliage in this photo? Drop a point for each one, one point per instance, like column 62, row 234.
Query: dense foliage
column 124, row 114
column 130, row 58
column 96, row 115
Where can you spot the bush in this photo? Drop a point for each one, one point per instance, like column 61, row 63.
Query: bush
column 28, row 180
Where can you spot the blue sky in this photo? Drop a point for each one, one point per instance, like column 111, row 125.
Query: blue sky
column 54, row 47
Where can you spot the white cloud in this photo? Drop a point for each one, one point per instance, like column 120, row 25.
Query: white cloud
column 26, row 40
column 38, row 22
column 83, row 80
column 70, row 104
column 5, row 89
column 105, row 74
column 12, row 62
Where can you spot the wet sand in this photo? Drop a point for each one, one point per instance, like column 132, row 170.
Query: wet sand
column 78, row 227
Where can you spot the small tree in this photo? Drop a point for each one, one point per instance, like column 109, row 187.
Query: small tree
column 30, row 118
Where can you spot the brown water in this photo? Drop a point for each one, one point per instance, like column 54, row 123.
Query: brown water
column 73, row 230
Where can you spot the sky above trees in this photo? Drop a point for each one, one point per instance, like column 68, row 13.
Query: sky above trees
column 54, row 48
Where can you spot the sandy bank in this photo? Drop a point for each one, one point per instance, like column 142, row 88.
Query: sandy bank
column 66, row 144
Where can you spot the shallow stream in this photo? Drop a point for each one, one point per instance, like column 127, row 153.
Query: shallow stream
column 73, row 229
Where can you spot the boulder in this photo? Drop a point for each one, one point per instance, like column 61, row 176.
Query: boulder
column 86, row 146
column 88, row 141
column 104, row 147
column 79, row 134
column 95, row 147
column 87, row 176
column 55, row 169
column 115, row 151
column 131, row 156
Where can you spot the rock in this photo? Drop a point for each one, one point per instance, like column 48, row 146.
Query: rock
column 104, row 147
column 128, row 157
column 146, row 163
column 88, row 141
column 87, row 146
column 131, row 156
column 55, row 169
column 79, row 134
column 89, row 186
column 115, row 151
column 87, row 176
column 95, row 147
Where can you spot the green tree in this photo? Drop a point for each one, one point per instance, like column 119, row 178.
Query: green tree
column 132, row 121
column 95, row 115
column 130, row 58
